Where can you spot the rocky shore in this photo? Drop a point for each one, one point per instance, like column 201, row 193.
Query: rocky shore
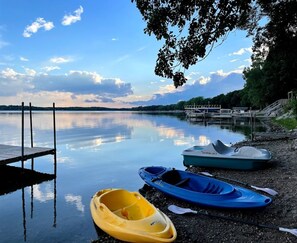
column 281, row 175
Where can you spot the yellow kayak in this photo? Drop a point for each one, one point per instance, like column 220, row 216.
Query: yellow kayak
column 128, row 216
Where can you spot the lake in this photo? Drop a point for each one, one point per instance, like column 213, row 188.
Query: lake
column 95, row 150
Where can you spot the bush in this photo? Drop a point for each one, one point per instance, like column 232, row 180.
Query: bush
column 288, row 123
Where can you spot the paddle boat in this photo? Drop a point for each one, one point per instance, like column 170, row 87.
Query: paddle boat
column 128, row 216
column 219, row 155
column 201, row 190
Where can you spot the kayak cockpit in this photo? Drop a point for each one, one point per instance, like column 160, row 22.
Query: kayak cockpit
column 155, row 170
column 203, row 185
column 130, row 207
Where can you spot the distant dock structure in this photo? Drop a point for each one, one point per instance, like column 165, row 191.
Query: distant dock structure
column 202, row 111
column 216, row 111
column 11, row 154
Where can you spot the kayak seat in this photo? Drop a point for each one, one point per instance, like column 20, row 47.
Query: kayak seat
column 212, row 189
column 134, row 212
column 173, row 177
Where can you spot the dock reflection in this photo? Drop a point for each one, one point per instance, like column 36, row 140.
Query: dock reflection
column 15, row 178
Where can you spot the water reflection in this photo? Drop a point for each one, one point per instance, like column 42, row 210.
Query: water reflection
column 76, row 200
column 14, row 178
column 42, row 196
column 93, row 129
column 46, row 198
column 52, row 197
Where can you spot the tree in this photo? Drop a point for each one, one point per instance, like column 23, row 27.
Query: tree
column 273, row 72
column 189, row 27
column 255, row 87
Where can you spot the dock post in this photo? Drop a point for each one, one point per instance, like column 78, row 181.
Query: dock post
column 31, row 131
column 23, row 122
column 55, row 143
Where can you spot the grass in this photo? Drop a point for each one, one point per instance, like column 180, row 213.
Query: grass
column 288, row 123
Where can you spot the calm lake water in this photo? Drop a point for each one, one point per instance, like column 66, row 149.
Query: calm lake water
column 95, row 150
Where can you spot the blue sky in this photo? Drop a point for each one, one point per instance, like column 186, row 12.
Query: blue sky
column 95, row 53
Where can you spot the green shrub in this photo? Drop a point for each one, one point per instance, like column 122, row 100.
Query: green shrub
column 288, row 123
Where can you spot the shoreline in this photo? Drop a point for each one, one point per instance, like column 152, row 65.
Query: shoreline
column 281, row 176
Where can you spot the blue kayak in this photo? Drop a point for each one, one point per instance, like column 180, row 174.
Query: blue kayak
column 201, row 190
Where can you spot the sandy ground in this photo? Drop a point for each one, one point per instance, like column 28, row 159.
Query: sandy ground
column 281, row 176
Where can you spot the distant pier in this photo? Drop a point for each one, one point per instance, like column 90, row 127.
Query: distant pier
column 216, row 111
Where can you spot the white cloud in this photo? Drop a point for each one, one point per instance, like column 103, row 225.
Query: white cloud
column 242, row 51
column 204, row 80
column 23, row 59
column 60, row 60
column 75, row 83
column 114, row 39
column 51, row 68
column 72, row 18
column 234, row 60
column 192, row 75
column 35, row 26
column 216, row 83
column 223, row 74
column 94, row 76
column 169, row 88
column 9, row 73
column 30, row 72
column 12, row 82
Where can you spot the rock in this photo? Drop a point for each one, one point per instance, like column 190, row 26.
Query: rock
column 294, row 145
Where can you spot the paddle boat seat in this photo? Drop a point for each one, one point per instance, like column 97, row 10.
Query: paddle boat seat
column 222, row 148
column 249, row 151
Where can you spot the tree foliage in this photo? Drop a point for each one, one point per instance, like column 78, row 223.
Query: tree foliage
column 273, row 72
column 189, row 28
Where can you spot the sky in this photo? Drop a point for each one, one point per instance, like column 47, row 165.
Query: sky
column 95, row 53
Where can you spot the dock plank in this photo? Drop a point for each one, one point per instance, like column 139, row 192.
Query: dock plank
column 11, row 154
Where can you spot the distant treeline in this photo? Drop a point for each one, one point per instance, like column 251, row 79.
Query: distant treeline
column 229, row 100
column 36, row 108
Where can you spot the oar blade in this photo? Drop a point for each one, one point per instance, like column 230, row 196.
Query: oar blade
column 292, row 231
column 267, row 190
column 206, row 173
column 178, row 210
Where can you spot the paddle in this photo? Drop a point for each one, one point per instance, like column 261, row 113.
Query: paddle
column 178, row 210
column 264, row 189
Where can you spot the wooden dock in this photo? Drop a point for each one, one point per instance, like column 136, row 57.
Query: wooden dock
column 10, row 154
